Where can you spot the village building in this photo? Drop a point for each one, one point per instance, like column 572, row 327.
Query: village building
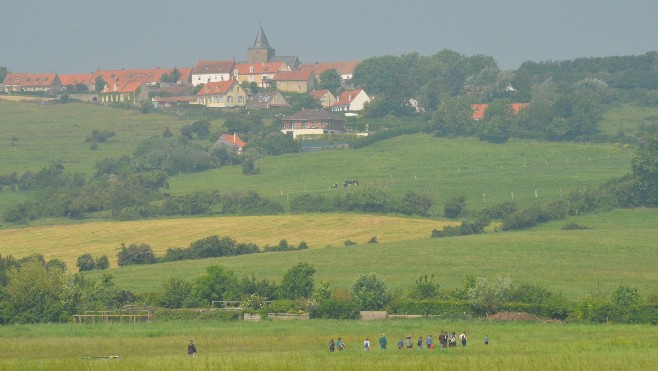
column 262, row 52
column 345, row 70
column 212, row 71
column 132, row 92
column 231, row 141
column 268, row 99
column 262, row 74
column 295, row 81
column 350, row 100
column 221, row 94
column 312, row 121
column 324, row 96
column 73, row 82
column 478, row 110
column 43, row 83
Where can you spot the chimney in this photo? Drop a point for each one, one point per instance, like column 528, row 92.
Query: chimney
column 234, row 136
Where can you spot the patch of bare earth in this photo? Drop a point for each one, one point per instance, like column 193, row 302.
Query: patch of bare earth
column 519, row 316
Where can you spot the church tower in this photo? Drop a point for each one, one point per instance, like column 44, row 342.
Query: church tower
column 261, row 52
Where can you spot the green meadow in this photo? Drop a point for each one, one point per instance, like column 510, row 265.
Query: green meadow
column 575, row 263
column 302, row 345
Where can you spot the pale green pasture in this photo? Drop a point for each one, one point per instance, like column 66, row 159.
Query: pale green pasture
column 486, row 173
column 301, row 345
column 627, row 118
column 56, row 132
column 574, row 263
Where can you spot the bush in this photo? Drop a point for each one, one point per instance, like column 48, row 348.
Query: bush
column 349, row 243
column 85, row 262
column 444, row 308
column 135, row 254
column 574, row 227
column 102, row 262
column 369, row 292
column 309, row 203
column 454, row 206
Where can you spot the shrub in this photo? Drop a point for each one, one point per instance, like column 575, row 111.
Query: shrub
column 102, row 262
column 369, row 292
column 135, row 254
column 574, row 227
column 85, row 262
column 454, row 206
column 349, row 243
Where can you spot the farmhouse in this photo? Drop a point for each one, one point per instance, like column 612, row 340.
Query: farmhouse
column 312, row 121
column 324, row 96
column 211, row 71
column 259, row 73
column 268, row 99
column 75, row 80
column 295, row 81
column 134, row 92
column 350, row 100
column 46, row 83
column 232, row 141
column 221, row 94
column 344, row 69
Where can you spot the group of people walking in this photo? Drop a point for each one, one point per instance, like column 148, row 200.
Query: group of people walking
column 446, row 340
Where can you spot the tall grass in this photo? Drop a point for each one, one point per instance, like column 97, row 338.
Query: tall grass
column 302, row 346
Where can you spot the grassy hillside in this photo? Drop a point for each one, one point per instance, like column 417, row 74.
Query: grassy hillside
column 67, row 242
column 620, row 250
column 487, row 173
column 57, row 132
column 627, row 118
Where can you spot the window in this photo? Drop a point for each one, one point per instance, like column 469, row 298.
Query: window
column 220, row 99
column 229, row 99
column 240, row 99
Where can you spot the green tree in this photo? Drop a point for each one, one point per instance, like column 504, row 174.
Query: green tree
column 86, row 262
column 3, row 73
column 369, row 292
column 102, row 262
column 34, row 292
column 330, row 80
column 217, row 283
column 176, row 294
column 453, row 117
column 645, row 161
column 454, row 206
column 417, row 203
column 135, row 254
column 297, row 282
column 424, row 288
column 99, row 83
column 487, row 296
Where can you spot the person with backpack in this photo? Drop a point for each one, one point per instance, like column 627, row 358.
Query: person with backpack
column 366, row 345
column 383, row 342
column 429, row 342
column 420, row 343
column 191, row 349
column 400, row 344
column 340, row 345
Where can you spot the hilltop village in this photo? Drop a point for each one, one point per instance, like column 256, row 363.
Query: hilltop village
column 262, row 81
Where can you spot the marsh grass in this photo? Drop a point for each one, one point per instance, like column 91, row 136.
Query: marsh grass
column 301, row 345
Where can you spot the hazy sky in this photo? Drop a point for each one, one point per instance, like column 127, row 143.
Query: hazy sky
column 77, row 36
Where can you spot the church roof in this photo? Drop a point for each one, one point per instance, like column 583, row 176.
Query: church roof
column 261, row 40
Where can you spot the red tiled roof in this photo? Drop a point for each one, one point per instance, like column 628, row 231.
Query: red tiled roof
column 81, row 78
column 235, row 139
column 152, row 75
column 317, row 94
column 258, row 68
column 347, row 97
column 30, row 79
column 479, row 109
column 343, row 68
column 293, row 76
column 219, row 87
column 208, row 67
column 122, row 87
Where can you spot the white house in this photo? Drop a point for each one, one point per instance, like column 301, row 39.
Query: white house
column 211, row 71
column 350, row 100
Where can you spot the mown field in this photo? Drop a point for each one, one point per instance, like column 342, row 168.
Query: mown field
column 627, row 118
column 619, row 250
column 67, row 242
column 301, row 345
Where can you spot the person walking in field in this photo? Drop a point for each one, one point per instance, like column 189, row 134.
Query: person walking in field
column 400, row 344
column 340, row 345
column 191, row 349
column 443, row 339
column 420, row 343
column 462, row 338
column 366, row 345
column 486, row 339
column 383, row 342
column 430, row 342
column 410, row 343
column 331, row 345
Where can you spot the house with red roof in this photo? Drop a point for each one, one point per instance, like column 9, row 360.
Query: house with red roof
column 221, row 94
column 212, row 71
column 324, row 96
column 132, row 92
column 46, row 83
column 350, row 100
column 149, row 76
column 259, row 73
column 295, row 81
column 232, row 141
column 344, row 69
column 479, row 109
column 71, row 82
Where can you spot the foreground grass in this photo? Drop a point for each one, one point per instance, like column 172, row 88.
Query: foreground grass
column 621, row 250
column 68, row 242
column 301, row 345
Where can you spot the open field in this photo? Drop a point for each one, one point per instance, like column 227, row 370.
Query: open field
column 301, row 345
column 486, row 173
column 627, row 118
column 620, row 250
column 67, row 242
column 57, row 132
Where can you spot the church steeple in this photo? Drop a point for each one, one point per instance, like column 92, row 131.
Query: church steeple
column 261, row 52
